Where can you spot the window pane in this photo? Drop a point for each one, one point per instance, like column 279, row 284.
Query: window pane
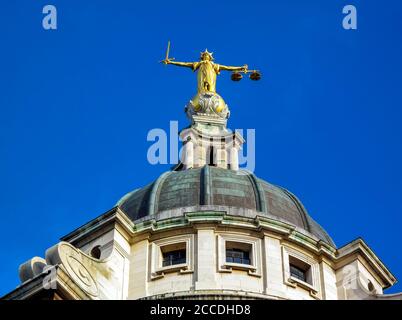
column 174, row 257
column 298, row 273
column 237, row 256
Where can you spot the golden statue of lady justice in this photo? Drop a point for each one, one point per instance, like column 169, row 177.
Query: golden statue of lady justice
column 208, row 70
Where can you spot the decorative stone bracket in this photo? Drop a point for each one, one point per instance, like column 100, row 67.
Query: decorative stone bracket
column 98, row 279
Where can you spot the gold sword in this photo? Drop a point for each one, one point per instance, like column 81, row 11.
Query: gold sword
column 167, row 54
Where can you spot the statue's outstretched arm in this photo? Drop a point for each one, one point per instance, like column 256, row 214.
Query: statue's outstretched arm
column 180, row 64
column 230, row 68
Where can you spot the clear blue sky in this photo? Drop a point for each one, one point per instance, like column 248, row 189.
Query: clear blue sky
column 76, row 105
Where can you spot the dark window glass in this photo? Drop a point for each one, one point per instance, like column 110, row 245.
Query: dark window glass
column 211, row 157
column 174, row 257
column 298, row 273
column 237, row 256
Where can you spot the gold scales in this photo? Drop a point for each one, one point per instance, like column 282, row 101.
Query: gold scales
column 255, row 75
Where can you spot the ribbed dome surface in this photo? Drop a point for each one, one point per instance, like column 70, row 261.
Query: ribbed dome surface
column 220, row 187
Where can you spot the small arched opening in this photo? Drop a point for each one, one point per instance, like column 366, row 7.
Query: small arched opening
column 96, row 252
column 211, row 157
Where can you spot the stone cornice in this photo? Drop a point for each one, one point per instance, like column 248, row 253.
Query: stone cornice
column 259, row 223
column 110, row 219
column 359, row 249
column 65, row 288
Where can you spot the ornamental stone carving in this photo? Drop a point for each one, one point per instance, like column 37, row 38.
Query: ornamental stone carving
column 79, row 266
column 207, row 104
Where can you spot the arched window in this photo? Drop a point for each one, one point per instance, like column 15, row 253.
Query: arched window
column 211, row 159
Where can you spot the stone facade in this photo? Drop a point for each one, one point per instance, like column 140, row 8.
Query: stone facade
column 129, row 266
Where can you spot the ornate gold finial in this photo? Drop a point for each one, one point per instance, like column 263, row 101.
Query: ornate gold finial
column 208, row 70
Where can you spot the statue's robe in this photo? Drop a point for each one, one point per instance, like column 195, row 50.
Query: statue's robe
column 207, row 72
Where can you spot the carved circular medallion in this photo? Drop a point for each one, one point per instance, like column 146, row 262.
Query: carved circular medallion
column 74, row 263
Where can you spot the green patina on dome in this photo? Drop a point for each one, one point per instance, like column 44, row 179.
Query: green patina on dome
column 219, row 187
